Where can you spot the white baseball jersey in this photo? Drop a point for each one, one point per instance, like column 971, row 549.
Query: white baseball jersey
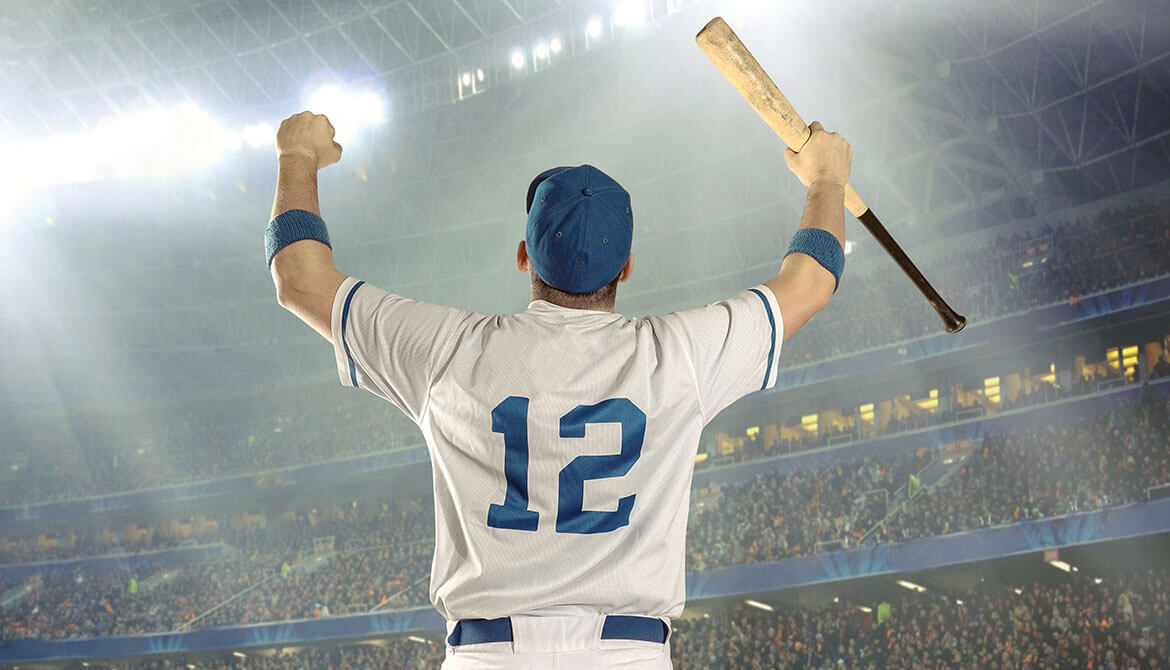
column 562, row 441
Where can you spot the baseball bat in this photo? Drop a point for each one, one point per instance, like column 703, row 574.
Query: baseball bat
column 737, row 64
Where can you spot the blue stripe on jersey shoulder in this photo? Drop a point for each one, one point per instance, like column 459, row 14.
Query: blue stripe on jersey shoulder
column 345, row 326
column 772, row 350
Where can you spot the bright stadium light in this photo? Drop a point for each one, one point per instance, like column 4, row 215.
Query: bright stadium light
column 593, row 28
column 554, row 45
column 156, row 143
column 630, row 13
column 541, row 50
column 759, row 605
column 258, row 135
column 911, row 586
column 350, row 112
column 517, row 59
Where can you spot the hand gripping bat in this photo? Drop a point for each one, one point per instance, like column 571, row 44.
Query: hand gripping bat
column 737, row 64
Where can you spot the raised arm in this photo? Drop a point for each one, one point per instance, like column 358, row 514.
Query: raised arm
column 302, row 267
column 804, row 285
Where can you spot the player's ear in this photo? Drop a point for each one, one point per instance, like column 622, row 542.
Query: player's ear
column 626, row 269
column 522, row 262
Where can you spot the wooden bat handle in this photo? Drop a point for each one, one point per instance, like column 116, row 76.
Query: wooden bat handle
column 741, row 68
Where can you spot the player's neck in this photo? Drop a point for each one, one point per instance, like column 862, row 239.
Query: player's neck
column 601, row 300
column 586, row 306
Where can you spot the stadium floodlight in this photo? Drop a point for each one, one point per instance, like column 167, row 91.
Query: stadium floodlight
column 593, row 28
column 517, row 59
column 911, row 586
column 156, row 143
column 630, row 13
column 541, row 50
column 350, row 112
column 467, row 79
column 1061, row 565
column 849, row 246
column 479, row 74
column 258, row 135
column 554, row 45
column 759, row 605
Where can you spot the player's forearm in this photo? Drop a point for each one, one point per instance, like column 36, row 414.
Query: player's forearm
column 296, row 185
column 824, row 208
column 804, row 286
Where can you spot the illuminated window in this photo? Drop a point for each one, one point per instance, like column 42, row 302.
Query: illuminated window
column 753, row 432
column 930, row 402
column 809, row 422
column 1051, row 376
column 866, row 412
column 991, row 389
column 1129, row 358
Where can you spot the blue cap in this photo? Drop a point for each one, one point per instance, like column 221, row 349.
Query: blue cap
column 580, row 228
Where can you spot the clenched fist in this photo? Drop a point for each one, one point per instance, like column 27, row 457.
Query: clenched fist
column 308, row 135
column 826, row 157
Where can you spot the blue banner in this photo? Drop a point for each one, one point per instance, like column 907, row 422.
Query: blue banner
column 284, row 633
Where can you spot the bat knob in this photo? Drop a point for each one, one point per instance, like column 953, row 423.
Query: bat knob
column 956, row 324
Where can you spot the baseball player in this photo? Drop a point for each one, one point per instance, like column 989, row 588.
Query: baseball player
column 563, row 438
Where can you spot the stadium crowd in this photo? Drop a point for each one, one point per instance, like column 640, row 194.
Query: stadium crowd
column 1119, row 624
column 104, row 452
column 99, row 451
column 1054, row 470
column 1076, row 621
column 371, row 561
column 779, row 515
column 380, row 560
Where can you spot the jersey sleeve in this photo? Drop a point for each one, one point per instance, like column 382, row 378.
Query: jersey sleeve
column 390, row 345
column 733, row 346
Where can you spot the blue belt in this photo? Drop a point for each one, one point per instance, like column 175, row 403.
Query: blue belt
column 616, row 627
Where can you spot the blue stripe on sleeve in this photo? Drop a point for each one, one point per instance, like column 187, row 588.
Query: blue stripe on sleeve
column 771, row 322
column 345, row 325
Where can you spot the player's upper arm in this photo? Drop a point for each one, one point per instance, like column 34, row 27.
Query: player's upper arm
column 802, row 288
column 392, row 346
column 306, row 282
column 732, row 346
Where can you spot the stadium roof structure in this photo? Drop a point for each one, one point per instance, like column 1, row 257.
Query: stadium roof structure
column 982, row 100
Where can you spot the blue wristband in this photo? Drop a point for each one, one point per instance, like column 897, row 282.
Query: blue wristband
column 293, row 226
column 821, row 245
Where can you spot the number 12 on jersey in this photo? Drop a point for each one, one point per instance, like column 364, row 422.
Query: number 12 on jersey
column 510, row 417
